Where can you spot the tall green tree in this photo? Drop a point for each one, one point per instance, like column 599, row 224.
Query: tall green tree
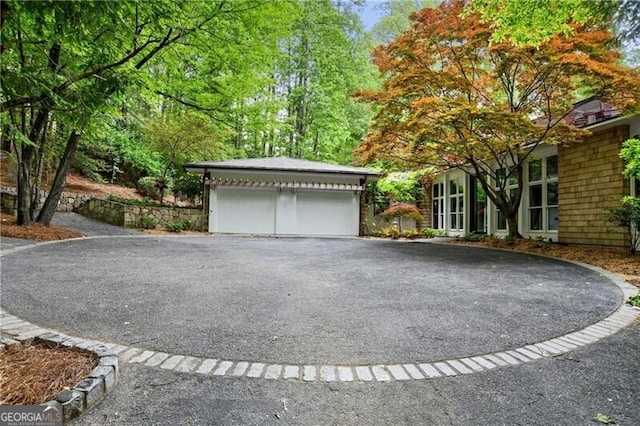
column 305, row 110
column 395, row 18
column 64, row 62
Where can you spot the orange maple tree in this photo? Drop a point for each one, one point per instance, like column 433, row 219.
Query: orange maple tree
column 452, row 97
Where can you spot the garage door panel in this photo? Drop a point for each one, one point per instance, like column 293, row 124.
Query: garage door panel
column 246, row 211
column 325, row 213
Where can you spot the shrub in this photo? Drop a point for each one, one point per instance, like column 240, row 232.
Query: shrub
column 175, row 226
column 627, row 216
column 432, row 233
column 179, row 226
column 189, row 187
column 475, row 236
column 147, row 222
column 410, row 234
column 148, row 187
column 634, row 300
column 390, row 232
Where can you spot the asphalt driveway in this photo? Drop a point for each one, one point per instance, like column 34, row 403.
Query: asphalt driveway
column 297, row 301
column 329, row 301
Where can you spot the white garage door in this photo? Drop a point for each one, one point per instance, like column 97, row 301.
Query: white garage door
column 326, row 213
column 245, row 211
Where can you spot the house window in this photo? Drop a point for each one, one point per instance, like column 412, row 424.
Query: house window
column 438, row 206
column 543, row 194
column 511, row 186
column 456, row 204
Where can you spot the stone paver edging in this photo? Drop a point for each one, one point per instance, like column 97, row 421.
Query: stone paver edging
column 87, row 392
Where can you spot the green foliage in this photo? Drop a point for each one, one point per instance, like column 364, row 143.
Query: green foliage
column 147, row 222
column 532, row 22
column 627, row 216
column 148, row 186
column 390, row 232
column 395, row 18
column 630, row 153
column 476, row 237
column 188, row 186
column 179, row 226
column 411, row 234
column 634, row 300
column 433, row 233
column 401, row 186
column 183, row 138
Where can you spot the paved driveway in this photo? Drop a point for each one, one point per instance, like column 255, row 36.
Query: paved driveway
column 330, row 301
column 297, row 301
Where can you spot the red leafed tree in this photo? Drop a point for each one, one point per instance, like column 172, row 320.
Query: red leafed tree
column 454, row 98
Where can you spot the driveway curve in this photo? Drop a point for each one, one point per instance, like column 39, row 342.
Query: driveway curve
column 299, row 300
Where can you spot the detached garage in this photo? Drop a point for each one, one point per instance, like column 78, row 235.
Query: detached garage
column 282, row 196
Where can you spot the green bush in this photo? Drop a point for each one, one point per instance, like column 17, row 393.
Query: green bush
column 634, row 300
column 147, row 222
column 148, row 186
column 475, row 236
column 188, row 186
column 432, row 233
column 390, row 232
column 410, row 234
column 627, row 216
column 175, row 226
column 179, row 226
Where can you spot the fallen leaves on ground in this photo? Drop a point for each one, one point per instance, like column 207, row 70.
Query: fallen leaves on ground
column 35, row 231
column 618, row 261
column 37, row 373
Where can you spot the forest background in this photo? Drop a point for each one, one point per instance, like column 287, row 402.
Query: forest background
column 120, row 91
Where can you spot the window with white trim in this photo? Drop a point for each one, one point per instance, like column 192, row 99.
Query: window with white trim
column 456, row 204
column 542, row 186
column 438, row 206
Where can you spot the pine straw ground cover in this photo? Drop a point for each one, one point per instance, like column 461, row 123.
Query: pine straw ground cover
column 37, row 373
column 618, row 261
column 35, row 231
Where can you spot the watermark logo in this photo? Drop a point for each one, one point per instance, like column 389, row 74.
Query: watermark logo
column 30, row 415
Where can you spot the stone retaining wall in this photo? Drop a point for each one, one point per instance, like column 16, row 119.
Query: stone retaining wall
column 111, row 211
column 69, row 202
column 129, row 216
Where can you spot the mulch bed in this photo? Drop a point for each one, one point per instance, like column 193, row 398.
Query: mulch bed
column 37, row 373
column 35, row 231
column 618, row 261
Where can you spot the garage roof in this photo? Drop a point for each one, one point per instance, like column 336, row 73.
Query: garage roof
column 281, row 164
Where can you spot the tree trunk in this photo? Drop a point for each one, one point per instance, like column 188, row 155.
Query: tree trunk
column 28, row 151
column 50, row 204
column 512, row 225
column 24, row 186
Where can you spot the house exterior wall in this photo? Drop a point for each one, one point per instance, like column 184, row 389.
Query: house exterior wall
column 590, row 178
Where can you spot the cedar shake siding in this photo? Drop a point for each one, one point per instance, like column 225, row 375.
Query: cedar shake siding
column 590, row 179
